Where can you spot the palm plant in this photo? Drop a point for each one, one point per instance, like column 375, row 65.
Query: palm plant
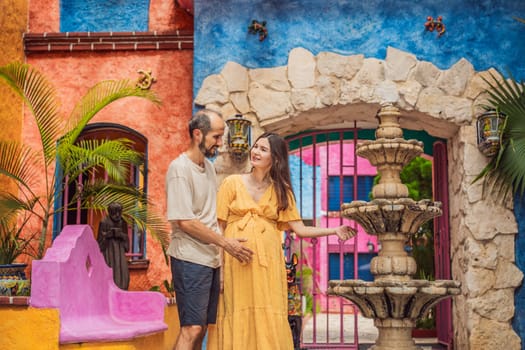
column 505, row 173
column 62, row 158
column 13, row 243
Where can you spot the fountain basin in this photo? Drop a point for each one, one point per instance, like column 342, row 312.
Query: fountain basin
column 396, row 151
column 401, row 300
column 381, row 216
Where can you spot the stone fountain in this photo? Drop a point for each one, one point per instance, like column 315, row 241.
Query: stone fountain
column 394, row 299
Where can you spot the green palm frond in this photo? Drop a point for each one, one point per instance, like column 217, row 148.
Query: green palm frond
column 98, row 97
column 11, row 206
column 136, row 208
column 13, row 243
column 40, row 97
column 59, row 143
column 98, row 194
column 114, row 156
column 505, row 173
column 148, row 219
column 512, row 165
column 506, row 95
column 18, row 162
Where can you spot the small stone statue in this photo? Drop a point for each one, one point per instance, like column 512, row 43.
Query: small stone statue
column 114, row 243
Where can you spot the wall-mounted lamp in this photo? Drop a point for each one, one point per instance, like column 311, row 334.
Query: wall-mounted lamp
column 489, row 127
column 370, row 246
column 239, row 133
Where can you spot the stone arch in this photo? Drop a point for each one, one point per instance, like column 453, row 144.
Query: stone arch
column 337, row 90
column 331, row 90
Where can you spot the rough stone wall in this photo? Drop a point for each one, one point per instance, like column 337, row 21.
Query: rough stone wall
column 334, row 90
column 342, row 89
column 482, row 254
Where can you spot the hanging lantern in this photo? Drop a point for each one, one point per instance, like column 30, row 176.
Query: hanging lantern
column 489, row 127
column 239, row 133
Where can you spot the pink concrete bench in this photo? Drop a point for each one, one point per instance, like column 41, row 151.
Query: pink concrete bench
column 74, row 278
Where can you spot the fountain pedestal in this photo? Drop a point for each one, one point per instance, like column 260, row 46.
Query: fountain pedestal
column 394, row 299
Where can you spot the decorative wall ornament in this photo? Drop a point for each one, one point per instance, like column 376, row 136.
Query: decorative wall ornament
column 258, row 28
column 145, row 80
column 435, row 24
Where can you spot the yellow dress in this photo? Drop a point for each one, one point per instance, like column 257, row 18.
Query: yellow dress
column 253, row 310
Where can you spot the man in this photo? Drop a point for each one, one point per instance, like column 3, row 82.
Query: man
column 191, row 187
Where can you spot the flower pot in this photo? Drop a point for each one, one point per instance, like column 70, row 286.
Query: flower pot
column 13, row 281
column 13, row 272
column 424, row 333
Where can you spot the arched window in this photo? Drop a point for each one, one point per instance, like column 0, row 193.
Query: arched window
column 138, row 178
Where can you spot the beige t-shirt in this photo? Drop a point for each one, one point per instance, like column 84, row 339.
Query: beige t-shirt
column 191, row 193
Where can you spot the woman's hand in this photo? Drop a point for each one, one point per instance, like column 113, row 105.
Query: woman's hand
column 345, row 232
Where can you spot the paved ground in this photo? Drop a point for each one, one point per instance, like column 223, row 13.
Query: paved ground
column 327, row 326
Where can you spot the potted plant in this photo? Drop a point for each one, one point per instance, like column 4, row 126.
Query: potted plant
column 62, row 158
column 13, row 244
column 504, row 174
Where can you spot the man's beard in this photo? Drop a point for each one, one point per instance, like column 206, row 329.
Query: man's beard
column 208, row 153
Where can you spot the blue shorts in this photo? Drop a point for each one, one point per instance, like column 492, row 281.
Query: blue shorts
column 197, row 289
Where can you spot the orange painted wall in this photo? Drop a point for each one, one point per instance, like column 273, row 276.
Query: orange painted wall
column 165, row 127
column 13, row 18
column 32, row 328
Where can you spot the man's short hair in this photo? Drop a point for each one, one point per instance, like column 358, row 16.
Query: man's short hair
column 201, row 121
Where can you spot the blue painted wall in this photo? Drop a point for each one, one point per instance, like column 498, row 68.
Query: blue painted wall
column 481, row 31
column 298, row 168
column 104, row 15
column 519, row 317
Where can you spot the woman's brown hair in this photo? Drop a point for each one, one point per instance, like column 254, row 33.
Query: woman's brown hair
column 280, row 169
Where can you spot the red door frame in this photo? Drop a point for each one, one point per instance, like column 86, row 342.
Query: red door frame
column 442, row 242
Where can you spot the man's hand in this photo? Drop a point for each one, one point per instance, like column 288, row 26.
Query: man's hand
column 235, row 248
